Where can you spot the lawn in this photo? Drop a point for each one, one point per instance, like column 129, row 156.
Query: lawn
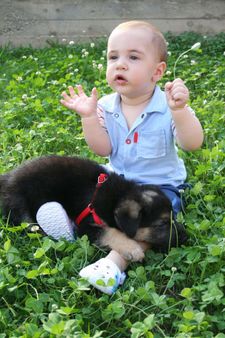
column 180, row 294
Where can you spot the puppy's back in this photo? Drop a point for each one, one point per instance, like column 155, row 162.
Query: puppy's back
column 51, row 178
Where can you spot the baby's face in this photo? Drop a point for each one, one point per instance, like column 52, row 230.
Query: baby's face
column 132, row 61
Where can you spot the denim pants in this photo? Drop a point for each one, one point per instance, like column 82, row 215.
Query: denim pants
column 175, row 196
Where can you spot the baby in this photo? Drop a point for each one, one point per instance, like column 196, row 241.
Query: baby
column 136, row 127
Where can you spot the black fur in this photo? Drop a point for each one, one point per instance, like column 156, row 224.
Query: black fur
column 71, row 181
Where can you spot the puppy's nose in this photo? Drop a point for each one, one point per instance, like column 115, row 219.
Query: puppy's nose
column 129, row 231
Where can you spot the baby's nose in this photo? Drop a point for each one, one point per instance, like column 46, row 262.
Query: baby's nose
column 121, row 64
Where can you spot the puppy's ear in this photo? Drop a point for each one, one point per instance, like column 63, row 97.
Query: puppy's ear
column 127, row 216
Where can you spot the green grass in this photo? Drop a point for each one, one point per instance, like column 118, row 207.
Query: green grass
column 176, row 295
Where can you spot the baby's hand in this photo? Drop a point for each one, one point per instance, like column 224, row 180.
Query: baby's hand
column 177, row 94
column 84, row 105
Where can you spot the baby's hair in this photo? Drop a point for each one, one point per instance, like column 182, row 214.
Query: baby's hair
column 157, row 37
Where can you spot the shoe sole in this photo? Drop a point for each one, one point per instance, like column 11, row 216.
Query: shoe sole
column 55, row 222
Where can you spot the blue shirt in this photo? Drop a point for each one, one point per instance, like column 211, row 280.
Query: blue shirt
column 145, row 153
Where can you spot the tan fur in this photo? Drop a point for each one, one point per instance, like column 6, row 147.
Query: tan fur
column 118, row 241
column 131, row 207
column 148, row 196
column 143, row 234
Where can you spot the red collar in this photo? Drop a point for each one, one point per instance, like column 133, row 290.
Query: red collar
column 89, row 209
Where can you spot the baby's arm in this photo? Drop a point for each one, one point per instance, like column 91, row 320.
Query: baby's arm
column 95, row 136
column 189, row 133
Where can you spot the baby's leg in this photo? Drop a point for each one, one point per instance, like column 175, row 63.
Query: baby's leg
column 120, row 261
column 108, row 273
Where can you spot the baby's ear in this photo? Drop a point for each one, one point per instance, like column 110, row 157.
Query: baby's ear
column 127, row 216
column 159, row 71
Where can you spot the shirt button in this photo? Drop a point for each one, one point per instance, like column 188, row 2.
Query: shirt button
column 128, row 141
column 116, row 115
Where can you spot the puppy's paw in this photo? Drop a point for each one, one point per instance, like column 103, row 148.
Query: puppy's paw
column 128, row 248
column 133, row 253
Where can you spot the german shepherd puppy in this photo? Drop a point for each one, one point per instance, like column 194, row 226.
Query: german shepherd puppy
column 130, row 213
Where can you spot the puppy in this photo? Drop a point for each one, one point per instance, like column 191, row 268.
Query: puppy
column 129, row 213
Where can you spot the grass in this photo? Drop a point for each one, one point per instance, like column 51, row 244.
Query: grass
column 176, row 295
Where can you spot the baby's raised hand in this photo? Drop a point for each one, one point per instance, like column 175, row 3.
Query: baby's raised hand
column 177, row 94
column 79, row 102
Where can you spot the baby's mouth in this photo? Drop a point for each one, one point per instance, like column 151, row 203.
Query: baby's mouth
column 120, row 79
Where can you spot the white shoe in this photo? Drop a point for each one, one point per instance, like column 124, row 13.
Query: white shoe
column 104, row 275
column 55, row 222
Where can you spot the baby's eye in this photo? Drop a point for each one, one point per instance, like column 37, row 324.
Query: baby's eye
column 134, row 57
column 112, row 57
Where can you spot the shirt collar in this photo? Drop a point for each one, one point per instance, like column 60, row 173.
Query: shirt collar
column 157, row 103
